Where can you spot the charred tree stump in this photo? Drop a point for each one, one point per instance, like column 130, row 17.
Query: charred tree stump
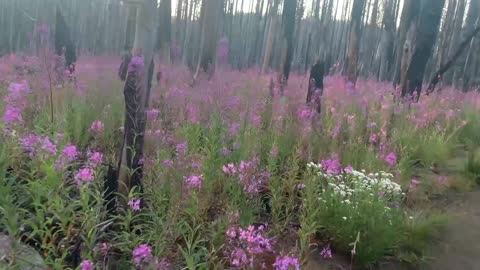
column 315, row 86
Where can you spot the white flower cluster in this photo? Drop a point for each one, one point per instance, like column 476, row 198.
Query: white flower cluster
column 351, row 182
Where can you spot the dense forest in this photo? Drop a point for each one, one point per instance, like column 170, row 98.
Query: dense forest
column 239, row 134
column 388, row 40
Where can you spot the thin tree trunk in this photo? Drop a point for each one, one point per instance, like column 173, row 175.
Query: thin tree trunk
column 354, row 43
column 288, row 25
column 137, row 91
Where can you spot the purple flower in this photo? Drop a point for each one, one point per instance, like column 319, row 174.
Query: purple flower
column 229, row 169
column 415, row 182
column 137, row 64
column 238, row 258
column 167, row 163
column 193, row 181
column 70, row 153
column 84, row 175
column 349, row 169
column 49, row 146
column 95, row 159
column 87, row 265
column 96, row 127
column 152, row 114
column 336, row 130
column 305, row 114
column 181, row 148
column 15, row 102
column 134, row 204
column 373, row 138
column 326, row 252
column 300, row 186
column 331, row 166
column 141, row 254
column 104, row 248
column 30, row 142
column 391, row 159
column 286, row 263
column 196, row 165
column 13, row 114
column 371, row 124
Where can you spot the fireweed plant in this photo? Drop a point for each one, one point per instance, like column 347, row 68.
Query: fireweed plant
column 234, row 179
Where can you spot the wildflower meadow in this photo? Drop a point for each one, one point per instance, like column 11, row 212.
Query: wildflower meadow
column 234, row 177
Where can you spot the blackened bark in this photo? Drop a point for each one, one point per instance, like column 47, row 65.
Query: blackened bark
column 288, row 23
column 130, row 30
column 316, row 80
column 410, row 11
column 63, row 41
column 354, row 43
column 427, row 29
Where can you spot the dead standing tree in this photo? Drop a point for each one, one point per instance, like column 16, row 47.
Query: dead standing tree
column 210, row 12
column 137, row 93
column 288, row 27
column 64, row 45
column 355, row 36
column 425, row 36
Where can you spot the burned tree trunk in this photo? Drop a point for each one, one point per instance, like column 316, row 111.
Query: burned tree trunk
column 164, row 30
column 355, row 36
column 409, row 16
column 271, row 29
column 64, row 45
column 136, row 92
column 386, row 44
column 427, row 29
column 210, row 12
column 288, row 26
column 315, row 86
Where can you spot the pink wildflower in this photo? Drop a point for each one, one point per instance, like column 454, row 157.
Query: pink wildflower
column 326, row 252
column 181, row 148
column 300, row 186
column 134, row 204
column 87, row 265
column 84, row 175
column 104, row 248
column 95, row 159
column 70, row 153
column 193, row 181
column 415, row 182
column 331, row 166
column 391, row 159
column 152, row 114
column 142, row 254
column 286, row 263
column 167, row 163
column 229, row 169
column 96, row 127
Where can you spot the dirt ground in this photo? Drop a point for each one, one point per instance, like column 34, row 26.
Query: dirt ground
column 459, row 248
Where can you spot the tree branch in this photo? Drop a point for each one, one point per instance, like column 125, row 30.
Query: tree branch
column 444, row 68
